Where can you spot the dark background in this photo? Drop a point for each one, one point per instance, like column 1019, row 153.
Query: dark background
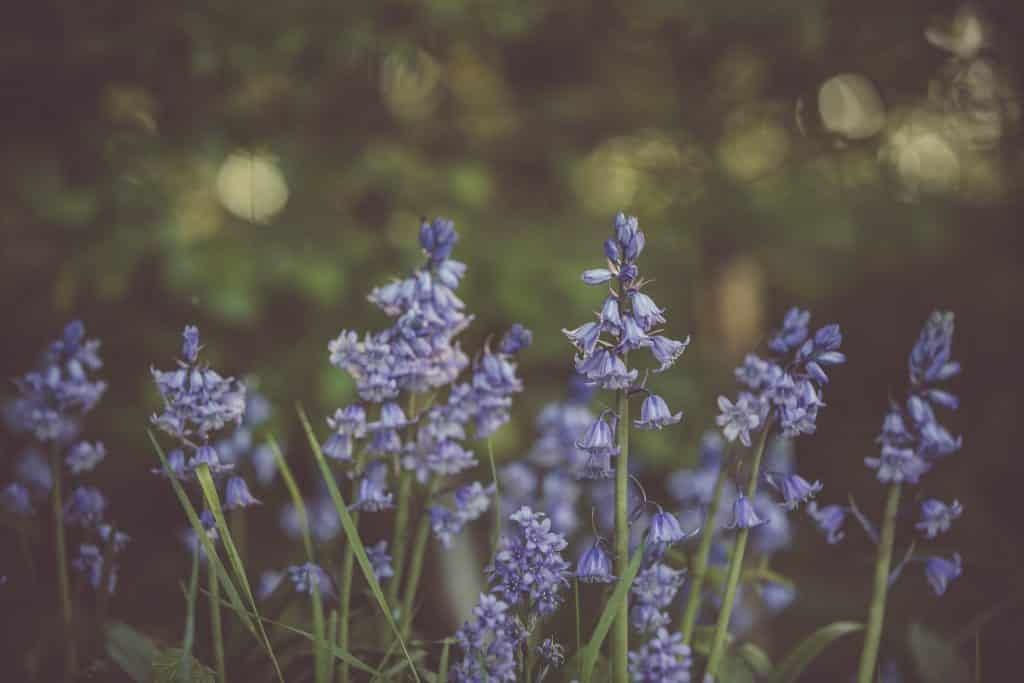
column 146, row 147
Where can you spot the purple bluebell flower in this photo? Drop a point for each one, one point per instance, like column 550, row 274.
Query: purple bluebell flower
column 654, row 414
column 594, row 565
column 108, row 534
column 653, row 591
column 930, row 360
column 268, row 582
column 529, row 566
column 667, row 351
column 380, row 560
column 776, row 534
column 551, row 653
column 207, row 455
column 438, row 238
column 610, row 317
column 351, row 420
column 633, row 335
column 898, row 465
column 793, row 333
column 197, row 400
column 339, row 447
column 84, row 507
column 489, row 643
column 445, row 525
column 777, row 596
column 515, row 340
column 33, row 471
column 829, row 520
column 665, row 530
column 473, row 500
column 372, row 494
column 237, row 495
column 305, row 576
column 84, row 456
column 175, row 464
column 606, row 369
column 940, row 572
column 758, row 374
column 597, row 276
column 936, row 516
column 794, row 488
column 449, row 458
column 737, row 419
column 90, row 564
column 744, row 515
column 600, row 436
column 15, row 498
column 646, row 312
column 584, row 337
column 662, row 659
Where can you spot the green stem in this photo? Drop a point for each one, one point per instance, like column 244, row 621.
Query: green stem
column 63, row 584
column 236, row 519
column 332, row 636
column 620, row 636
column 102, row 594
column 496, row 534
column 700, row 562
column 416, row 561
column 190, row 617
column 216, row 628
column 579, row 639
column 398, row 540
column 735, row 565
column 876, row 612
column 344, row 598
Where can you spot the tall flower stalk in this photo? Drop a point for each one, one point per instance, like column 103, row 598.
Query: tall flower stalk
column 912, row 440
column 783, row 391
column 630, row 319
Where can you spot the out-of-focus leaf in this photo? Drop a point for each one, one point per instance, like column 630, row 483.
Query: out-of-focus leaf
column 936, row 659
column 810, row 647
column 166, row 669
column 132, row 651
column 756, row 658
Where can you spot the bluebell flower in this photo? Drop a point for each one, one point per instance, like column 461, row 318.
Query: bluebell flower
column 108, row 534
column 829, row 519
column 646, row 312
column 84, row 456
column 529, row 566
column 653, row 590
column 794, row 488
column 594, row 565
column 633, row 335
column 268, row 582
column 777, row 596
column 744, row 515
column 237, row 495
column 664, row 529
column 776, row 534
column 84, row 507
column 793, row 333
column 473, row 500
column 551, row 653
column 438, row 238
column 898, row 465
column 321, row 515
column 372, row 494
column 207, row 455
column 445, row 524
column 758, row 374
column 599, row 439
column 175, row 464
column 339, row 447
column 392, row 417
column 606, row 369
column 305, row 576
column 662, row 659
column 584, row 337
column 34, row 472
column 940, row 572
column 515, row 340
column 384, row 442
column 489, row 643
column 737, row 419
column 936, row 516
column 597, row 276
column 930, row 360
column 197, row 400
column 380, row 560
column 449, row 458
column 610, row 317
column 350, row 420
column 667, row 351
column 90, row 564
column 654, row 414
column 16, row 499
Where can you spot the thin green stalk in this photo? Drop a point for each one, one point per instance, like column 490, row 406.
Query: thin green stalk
column 216, row 627
column 332, row 637
column 236, row 520
column 700, row 562
column 620, row 636
column 876, row 611
column 320, row 652
column 442, row 669
column 344, row 598
column 531, row 653
column 735, row 565
column 190, row 618
column 496, row 534
column 63, row 584
column 579, row 638
column 419, row 548
column 102, row 594
column 398, row 540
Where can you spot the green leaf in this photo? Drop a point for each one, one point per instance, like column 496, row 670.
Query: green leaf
column 604, row 623
column 756, row 658
column 936, row 659
column 166, row 669
column 810, row 647
column 352, row 535
column 734, row 669
column 442, row 669
column 131, row 651
column 190, row 618
column 293, row 491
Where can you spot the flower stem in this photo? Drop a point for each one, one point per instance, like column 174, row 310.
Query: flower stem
column 735, row 566
column 419, row 548
column 876, row 611
column 63, row 585
column 216, row 629
column 344, row 598
column 398, row 540
column 236, row 519
column 620, row 648
column 700, row 562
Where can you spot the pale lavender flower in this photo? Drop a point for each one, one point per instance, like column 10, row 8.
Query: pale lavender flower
column 936, row 516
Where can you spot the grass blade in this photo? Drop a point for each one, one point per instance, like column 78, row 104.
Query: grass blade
column 604, row 624
column 352, row 534
column 190, row 618
column 319, row 648
column 293, row 491
column 214, row 505
column 810, row 647
column 442, row 670
column 132, row 651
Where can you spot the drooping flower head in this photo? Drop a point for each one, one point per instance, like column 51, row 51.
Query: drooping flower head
column 529, row 567
column 489, row 642
column 662, row 659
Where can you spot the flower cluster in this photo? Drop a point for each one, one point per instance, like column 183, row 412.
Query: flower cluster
column 787, row 387
column 662, row 659
column 489, row 643
column 628, row 320
column 653, row 591
column 528, row 566
column 471, row 502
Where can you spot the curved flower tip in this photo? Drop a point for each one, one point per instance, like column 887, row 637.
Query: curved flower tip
column 665, row 529
column 744, row 515
column 655, row 414
column 829, row 520
column 237, row 495
column 794, row 488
